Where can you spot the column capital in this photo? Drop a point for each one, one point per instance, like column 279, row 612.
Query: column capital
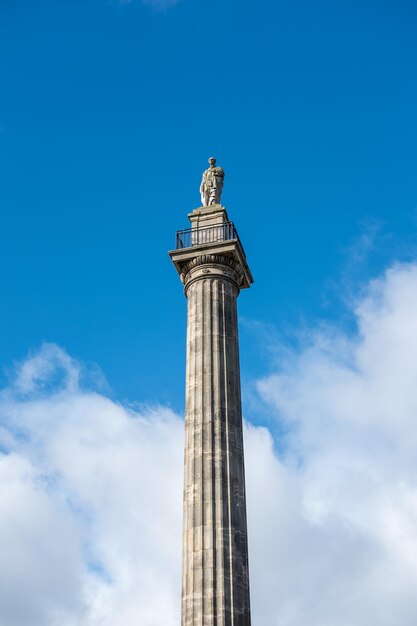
column 212, row 266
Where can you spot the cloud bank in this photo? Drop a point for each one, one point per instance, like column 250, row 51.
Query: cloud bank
column 346, row 530
column 89, row 521
column 90, row 513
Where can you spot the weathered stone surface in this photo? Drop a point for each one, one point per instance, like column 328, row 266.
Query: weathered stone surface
column 215, row 555
column 212, row 184
column 209, row 218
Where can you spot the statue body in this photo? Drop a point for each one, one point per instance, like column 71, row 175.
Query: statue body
column 212, row 184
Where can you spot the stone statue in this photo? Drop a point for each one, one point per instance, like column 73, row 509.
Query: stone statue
column 212, row 184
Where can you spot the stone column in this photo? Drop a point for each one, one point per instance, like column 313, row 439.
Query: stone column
column 215, row 554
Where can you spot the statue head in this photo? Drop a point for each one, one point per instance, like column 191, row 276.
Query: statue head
column 212, row 161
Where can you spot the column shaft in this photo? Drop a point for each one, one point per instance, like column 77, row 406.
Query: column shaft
column 215, row 559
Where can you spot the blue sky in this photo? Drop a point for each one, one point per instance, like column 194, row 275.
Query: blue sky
column 108, row 113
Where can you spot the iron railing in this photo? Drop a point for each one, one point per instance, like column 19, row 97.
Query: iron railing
column 190, row 237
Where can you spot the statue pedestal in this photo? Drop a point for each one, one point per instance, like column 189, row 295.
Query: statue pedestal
column 208, row 216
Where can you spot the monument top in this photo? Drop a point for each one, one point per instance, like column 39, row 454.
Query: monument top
column 212, row 184
column 211, row 232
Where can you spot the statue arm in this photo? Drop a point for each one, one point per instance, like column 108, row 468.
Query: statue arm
column 203, row 182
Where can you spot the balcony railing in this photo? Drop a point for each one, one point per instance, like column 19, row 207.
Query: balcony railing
column 208, row 234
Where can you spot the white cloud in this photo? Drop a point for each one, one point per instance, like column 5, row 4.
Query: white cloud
column 90, row 513
column 349, row 404
column 91, row 518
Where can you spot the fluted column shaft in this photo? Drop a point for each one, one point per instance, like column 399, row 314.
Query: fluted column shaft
column 215, row 557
